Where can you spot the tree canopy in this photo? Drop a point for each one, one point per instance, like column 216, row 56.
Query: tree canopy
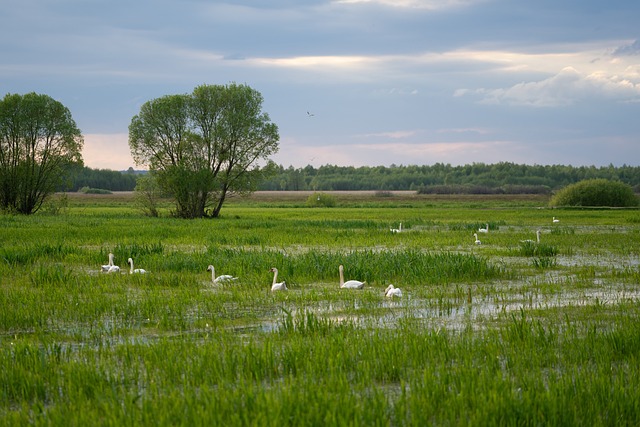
column 596, row 192
column 204, row 146
column 445, row 178
column 39, row 141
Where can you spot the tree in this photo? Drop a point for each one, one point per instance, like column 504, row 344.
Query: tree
column 39, row 141
column 205, row 146
column 596, row 192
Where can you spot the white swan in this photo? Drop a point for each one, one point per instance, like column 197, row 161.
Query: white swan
column 396, row 230
column 282, row 286
column 137, row 270
column 106, row 267
column 555, row 220
column 110, row 268
column 220, row 279
column 483, row 230
column 392, row 291
column 532, row 241
column 351, row 284
column 477, row 242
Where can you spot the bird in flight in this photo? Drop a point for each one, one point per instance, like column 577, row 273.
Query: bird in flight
column 310, row 114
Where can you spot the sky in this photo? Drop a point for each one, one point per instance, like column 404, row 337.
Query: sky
column 349, row 82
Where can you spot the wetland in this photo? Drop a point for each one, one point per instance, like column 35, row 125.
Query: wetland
column 506, row 332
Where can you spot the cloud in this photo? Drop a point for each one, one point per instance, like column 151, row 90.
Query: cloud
column 414, row 4
column 478, row 131
column 567, row 87
column 400, row 134
column 628, row 50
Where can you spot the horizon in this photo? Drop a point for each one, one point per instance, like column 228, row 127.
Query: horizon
column 134, row 170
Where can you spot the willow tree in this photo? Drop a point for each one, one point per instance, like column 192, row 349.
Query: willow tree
column 204, row 146
column 39, row 141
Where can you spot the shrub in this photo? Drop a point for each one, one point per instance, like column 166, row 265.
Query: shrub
column 383, row 193
column 56, row 205
column 596, row 192
column 321, row 200
column 89, row 190
column 148, row 194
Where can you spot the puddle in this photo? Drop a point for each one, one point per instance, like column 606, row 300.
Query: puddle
column 612, row 261
column 451, row 314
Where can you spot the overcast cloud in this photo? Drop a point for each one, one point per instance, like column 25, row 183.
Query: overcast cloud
column 388, row 81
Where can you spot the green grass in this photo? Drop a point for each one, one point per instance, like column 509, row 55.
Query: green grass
column 484, row 335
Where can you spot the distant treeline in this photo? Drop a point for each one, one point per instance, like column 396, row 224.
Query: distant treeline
column 476, row 178
column 104, row 179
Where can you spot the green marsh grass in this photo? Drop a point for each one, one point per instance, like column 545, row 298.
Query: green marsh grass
column 481, row 336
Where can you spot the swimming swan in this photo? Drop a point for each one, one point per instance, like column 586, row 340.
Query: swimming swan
column 137, row 270
column 483, row 230
column 531, row 241
column 282, row 286
column 396, row 230
column 220, row 279
column 110, row 268
column 351, row 284
column 555, row 220
column 477, row 242
column 392, row 291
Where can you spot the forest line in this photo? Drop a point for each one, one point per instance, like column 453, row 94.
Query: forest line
column 503, row 177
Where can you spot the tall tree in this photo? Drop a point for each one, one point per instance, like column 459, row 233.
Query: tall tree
column 39, row 140
column 205, row 146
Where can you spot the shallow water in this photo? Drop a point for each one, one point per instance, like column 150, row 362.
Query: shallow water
column 455, row 314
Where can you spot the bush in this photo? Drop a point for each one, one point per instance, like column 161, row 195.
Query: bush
column 321, row 200
column 148, row 194
column 89, row 190
column 383, row 193
column 596, row 192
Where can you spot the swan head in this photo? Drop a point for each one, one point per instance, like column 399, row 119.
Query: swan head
column 130, row 261
column 388, row 289
column 341, row 267
column 273, row 270
column 210, row 268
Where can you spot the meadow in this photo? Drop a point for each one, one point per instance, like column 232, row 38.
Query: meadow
column 505, row 332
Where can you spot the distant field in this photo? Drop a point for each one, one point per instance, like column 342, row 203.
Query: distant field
column 389, row 197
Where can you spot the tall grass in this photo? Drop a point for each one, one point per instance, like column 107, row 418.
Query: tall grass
column 80, row 347
column 316, row 371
